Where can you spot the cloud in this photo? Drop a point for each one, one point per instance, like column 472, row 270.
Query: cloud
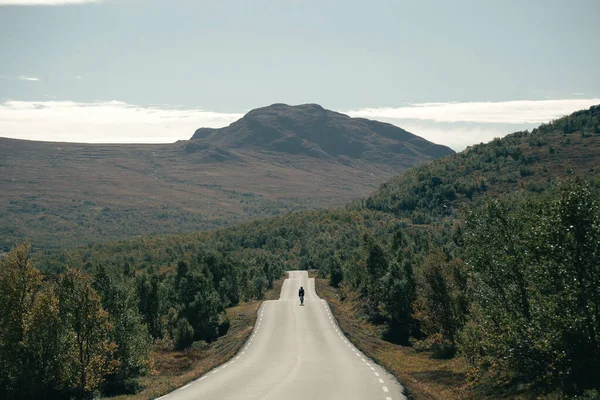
column 44, row 2
column 104, row 122
column 506, row 112
column 120, row 122
column 459, row 136
column 27, row 78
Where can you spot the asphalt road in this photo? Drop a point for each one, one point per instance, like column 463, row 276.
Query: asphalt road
column 294, row 353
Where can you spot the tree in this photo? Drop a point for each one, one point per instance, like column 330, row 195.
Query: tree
column 19, row 284
column 336, row 272
column 536, row 304
column 147, row 292
column 91, row 350
column 46, row 367
column 442, row 299
column 128, row 332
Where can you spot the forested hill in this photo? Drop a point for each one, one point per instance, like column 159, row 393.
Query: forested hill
column 523, row 161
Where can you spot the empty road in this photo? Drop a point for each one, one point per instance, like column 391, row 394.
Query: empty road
column 295, row 353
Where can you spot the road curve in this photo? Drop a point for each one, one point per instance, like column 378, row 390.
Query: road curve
column 295, row 353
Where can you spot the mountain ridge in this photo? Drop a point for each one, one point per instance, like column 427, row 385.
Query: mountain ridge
column 312, row 130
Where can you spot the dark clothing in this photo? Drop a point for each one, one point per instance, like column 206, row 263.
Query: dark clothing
column 301, row 292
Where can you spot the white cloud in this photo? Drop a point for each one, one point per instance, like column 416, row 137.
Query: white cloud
column 458, row 137
column 28, row 78
column 119, row 122
column 103, row 122
column 43, row 2
column 506, row 112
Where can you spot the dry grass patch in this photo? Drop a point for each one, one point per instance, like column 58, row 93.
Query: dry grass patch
column 174, row 369
column 422, row 376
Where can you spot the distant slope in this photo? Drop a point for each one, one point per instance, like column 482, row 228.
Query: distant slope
column 523, row 161
column 67, row 194
column 311, row 130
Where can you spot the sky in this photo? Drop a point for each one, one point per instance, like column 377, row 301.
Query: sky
column 455, row 72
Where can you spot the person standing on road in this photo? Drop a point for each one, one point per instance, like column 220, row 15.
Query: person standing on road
column 301, row 295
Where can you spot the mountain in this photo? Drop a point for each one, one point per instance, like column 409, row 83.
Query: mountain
column 274, row 160
column 311, row 130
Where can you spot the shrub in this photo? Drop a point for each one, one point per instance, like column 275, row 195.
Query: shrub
column 184, row 334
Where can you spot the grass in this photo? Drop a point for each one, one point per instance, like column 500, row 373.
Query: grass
column 422, row 376
column 174, row 369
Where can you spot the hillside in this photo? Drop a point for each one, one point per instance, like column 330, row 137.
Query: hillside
column 66, row 194
column 520, row 162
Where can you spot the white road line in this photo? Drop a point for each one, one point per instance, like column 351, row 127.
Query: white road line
column 204, row 377
column 385, row 389
column 243, row 352
column 380, row 380
column 186, row 386
column 372, row 369
column 388, row 398
column 363, row 359
column 376, row 374
column 215, row 371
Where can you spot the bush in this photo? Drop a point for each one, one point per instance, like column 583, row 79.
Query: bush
column 184, row 334
column 126, row 386
column 199, row 345
column 436, row 344
column 224, row 326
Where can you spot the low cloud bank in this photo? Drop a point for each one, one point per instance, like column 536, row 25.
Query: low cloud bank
column 103, row 122
column 456, row 125
column 505, row 112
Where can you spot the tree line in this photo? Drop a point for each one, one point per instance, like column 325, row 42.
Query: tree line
column 89, row 330
column 513, row 288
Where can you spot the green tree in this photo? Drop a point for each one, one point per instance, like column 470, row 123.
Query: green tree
column 442, row 300
column 129, row 333
column 45, row 365
column 535, row 311
column 91, row 350
column 336, row 271
column 19, row 283
column 149, row 302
